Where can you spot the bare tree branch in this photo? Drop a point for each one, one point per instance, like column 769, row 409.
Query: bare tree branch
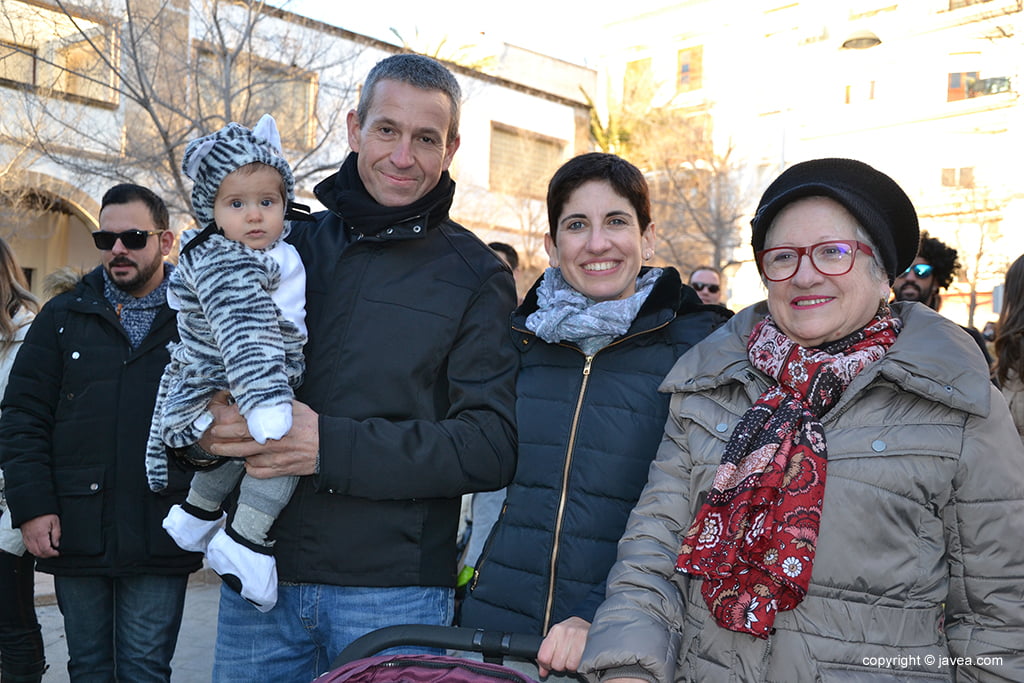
column 164, row 74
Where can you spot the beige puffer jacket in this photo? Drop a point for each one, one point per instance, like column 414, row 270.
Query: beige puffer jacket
column 1013, row 392
column 923, row 510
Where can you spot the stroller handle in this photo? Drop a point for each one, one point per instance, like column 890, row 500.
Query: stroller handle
column 493, row 644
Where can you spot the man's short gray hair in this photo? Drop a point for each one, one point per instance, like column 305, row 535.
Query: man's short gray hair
column 419, row 71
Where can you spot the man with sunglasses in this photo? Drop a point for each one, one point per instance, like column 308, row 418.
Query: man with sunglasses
column 134, row 262
column 932, row 271
column 73, row 431
column 708, row 283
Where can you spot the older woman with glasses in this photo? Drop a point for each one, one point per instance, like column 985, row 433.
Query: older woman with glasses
column 839, row 492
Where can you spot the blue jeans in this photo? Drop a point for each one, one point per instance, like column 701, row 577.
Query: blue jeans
column 311, row 624
column 121, row 628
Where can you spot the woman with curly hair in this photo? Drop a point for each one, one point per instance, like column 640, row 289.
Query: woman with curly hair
column 1009, row 343
column 931, row 272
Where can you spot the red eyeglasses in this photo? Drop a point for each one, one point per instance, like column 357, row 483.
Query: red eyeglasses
column 828, row 258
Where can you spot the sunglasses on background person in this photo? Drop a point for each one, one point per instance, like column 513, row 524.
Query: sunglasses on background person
column 921, row 270
column 701, row 286
column 131, row 239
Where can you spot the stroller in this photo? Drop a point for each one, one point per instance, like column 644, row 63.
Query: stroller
column 356, row 665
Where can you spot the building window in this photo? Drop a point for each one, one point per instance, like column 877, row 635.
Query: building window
column 57, row 54
column 969, row 84
column 638, row 85
column 690, row 70
column 959, row 84
column 257, row 86
column 86, row 72
column 522, row 162
column 958, row 177
column 988, row 86
column 17, row 63
column 860, row 92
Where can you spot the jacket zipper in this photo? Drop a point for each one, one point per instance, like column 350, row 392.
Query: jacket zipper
column 570, row 448
column 559, row 518
column 484, row 552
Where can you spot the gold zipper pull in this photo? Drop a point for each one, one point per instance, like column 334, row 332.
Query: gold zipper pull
column 476, row 578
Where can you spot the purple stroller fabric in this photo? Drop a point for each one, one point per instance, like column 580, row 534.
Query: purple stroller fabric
column 421, row 669
column 360, row 663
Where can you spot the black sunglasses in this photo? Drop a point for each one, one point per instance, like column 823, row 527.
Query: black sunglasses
column 131, row 239
column 701, row 286
column 921, row 270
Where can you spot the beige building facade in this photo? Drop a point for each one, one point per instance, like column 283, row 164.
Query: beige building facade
column 927, row 91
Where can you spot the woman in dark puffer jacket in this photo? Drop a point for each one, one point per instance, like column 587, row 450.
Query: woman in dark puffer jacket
column 598, row 333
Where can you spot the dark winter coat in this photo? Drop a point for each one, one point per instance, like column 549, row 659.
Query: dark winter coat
column 73, row 431
column 409, row 367
column 589, row 428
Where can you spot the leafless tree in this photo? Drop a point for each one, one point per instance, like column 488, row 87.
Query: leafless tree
column 519, row 219
column 19, row 203
column 699, row 204
column 118, row 94
column 699, row 196
column 978, row 231
column 512, row 203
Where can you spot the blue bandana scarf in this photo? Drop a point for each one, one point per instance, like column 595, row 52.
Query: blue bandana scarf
column 136, row 314
column 564, row 314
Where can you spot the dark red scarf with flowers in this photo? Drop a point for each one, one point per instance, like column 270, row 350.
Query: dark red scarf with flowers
column 754, row 538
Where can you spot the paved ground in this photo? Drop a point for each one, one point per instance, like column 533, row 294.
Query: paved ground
column 193, row 658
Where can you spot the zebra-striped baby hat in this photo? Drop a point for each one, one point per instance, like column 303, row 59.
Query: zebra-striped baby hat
column 210, row 158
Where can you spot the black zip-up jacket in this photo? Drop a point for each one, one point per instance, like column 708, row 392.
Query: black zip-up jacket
column 73, row 436
column 409, row 367
column 589, row 427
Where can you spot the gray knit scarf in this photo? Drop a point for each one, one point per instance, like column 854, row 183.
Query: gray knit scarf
column 136, row 314
column 564, row 314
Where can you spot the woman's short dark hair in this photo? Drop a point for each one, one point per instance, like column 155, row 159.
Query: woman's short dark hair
column 625, row 178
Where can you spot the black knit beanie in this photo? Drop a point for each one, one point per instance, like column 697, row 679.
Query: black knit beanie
column 873, row 198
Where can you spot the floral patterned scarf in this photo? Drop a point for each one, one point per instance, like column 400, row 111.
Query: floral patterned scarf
column 754, row 538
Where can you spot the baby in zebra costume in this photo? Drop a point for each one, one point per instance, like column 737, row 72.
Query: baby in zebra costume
column 239, row 290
